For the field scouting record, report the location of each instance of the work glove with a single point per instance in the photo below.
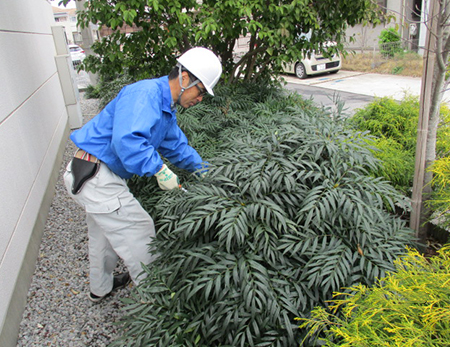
(201, 173)
(167, 180)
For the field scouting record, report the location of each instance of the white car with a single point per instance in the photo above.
(77, 54)
(316, 64)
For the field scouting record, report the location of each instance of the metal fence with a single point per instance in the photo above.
(386, 51)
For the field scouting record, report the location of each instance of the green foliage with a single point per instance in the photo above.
(410, 307)
(388, 118)
(397, 163)
(443, 133)
(286, 215)
(440, 201)
(166, 28)
(397, 70)
(93, 92)
(389, 35)
(389, 42)
(394, 125)
(162, 27)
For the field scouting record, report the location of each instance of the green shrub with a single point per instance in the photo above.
(286, 215)
(410, 307)
(389, 35)
(440, 201)
(93, 92)
(443, 133)
(389, 42)
(385, 117)
(394, 125)
(397, 165)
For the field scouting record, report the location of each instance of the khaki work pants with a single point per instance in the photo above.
(118, 226)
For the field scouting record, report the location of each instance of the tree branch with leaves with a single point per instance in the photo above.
(166, 28)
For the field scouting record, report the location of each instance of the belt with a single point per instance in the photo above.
(85, 156)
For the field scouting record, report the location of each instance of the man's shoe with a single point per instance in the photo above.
(120, 281)
(95, 298)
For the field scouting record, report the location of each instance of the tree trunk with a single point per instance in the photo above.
(433, 83)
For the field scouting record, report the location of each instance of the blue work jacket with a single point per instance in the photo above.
(130, 131)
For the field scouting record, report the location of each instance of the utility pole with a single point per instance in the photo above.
(417, 219)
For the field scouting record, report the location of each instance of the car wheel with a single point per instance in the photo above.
(300, 71)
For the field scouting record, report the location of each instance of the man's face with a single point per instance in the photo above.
(193, 95)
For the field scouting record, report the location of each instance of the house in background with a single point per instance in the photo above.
(67, 18)
(409, 22)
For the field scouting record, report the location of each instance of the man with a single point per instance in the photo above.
(127, 138)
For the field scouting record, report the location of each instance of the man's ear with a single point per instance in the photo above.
(185, 76)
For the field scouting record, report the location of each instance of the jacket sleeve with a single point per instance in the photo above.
(176, 149)
(136, 114)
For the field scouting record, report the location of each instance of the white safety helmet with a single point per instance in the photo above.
(204, 65)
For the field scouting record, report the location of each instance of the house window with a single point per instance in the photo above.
(416, 10)
(61, 19)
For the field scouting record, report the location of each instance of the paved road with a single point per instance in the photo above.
(356, 88)
(326, 97)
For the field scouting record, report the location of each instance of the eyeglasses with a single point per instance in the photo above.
(201, 91)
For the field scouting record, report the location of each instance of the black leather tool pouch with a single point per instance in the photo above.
(82, 171)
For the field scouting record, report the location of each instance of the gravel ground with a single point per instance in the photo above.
(58, 312)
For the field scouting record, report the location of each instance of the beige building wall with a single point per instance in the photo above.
(34, 126)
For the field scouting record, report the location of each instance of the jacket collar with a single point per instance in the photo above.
(168, 104)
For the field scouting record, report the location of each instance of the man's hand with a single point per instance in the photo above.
(167, 180)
